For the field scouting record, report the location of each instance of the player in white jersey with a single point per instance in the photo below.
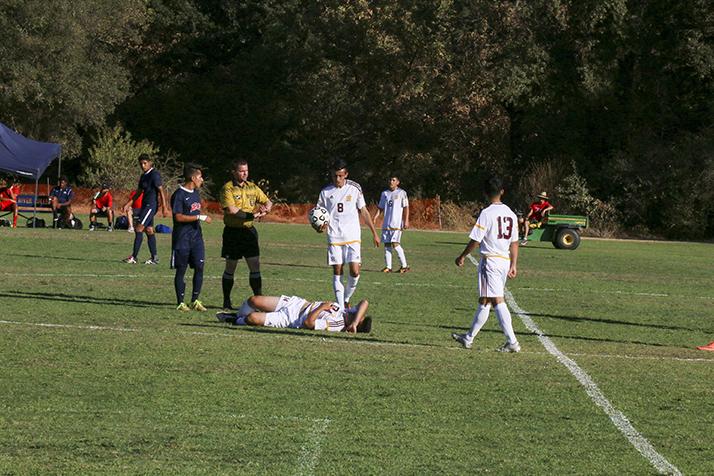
(298, 313)
(496, 235)
(395, 204)
(345, 202)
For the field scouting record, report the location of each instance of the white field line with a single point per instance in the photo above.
(375, 283)
(618, 418)
(310, 451)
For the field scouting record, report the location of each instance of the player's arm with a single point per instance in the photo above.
(312, 317)
(368, 220)
(513, 269)
(181, 218)
(264, 208)
(162, 201)
(405, 217)
(376, 215)
(472, 244)
(359, 316)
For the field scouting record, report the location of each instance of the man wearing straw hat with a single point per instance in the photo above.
(537, 212)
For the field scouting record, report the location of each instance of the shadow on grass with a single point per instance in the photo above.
(308, 334)
(599, 321)
(63, 258)
(74, 298)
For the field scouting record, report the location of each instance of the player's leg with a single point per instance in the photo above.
(387, 240)
(130, 219)
(264, 303)
(144, 215)
(336, 260)
(196, 261)
(254, 278)
(352, 255)
(252, 259)
(110, 219)
(482, 312)
(253, 319)
(227, 282)
(497, 276)
(93, 219)
(151, 241)
(396, 244)
(15, 213)
(179, 261)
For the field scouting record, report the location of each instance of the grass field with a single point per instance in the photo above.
(100, 373)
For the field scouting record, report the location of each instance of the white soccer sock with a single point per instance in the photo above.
(504, 320)
(339, 289)
(402, 258)
(245, 309)
(480, 318)
(388, 256)
(351, 287)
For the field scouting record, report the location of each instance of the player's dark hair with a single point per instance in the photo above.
(366, 325)
(339, 164)
(146, 157)
(190, 169)
(492, 186)
(238, 163)
(64, 177)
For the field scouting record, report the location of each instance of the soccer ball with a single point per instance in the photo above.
(318, 217)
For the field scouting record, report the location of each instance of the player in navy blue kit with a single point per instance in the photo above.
(61, 198)
(154, 198)
(187, 248)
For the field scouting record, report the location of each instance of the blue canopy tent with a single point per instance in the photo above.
(26, 157)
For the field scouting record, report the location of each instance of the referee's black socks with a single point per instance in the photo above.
(256, 283)
(227, 284)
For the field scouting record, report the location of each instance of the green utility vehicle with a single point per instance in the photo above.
(561, 230)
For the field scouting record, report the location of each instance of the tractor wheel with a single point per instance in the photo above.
(567, 239)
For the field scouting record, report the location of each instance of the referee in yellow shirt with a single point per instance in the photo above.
(242, 201)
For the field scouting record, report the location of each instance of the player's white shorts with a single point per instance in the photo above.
(391, 236)
(492, 275)
(340, 254)
(287, 313)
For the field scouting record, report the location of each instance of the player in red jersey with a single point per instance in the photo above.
(537, 212)
(102, 206)
(9, 190)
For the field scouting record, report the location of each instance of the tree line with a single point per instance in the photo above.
(607, 105)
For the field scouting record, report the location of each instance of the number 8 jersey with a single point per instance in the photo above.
(344, 204)
(495, 229)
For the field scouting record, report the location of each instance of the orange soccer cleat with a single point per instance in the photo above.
(709, 346)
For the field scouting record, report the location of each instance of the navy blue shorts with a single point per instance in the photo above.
(193, 257)
(146, 216)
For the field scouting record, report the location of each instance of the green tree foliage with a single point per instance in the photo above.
(62, 64)
(442, 92)
(114, 159)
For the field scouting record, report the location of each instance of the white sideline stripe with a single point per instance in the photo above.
(376, 283)
(618, 418)
(310, 451)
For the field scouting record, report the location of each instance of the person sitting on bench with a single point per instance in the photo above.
(102, 206)
(9, 191)
(61, 198)
(537, 214)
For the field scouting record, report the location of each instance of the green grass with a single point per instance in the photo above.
(122, 383)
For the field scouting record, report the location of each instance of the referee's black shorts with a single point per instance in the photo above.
(240, 243)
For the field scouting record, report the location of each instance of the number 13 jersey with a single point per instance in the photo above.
(344, 204)
(495, 229)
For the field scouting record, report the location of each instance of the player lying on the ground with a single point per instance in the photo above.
(298, 313)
